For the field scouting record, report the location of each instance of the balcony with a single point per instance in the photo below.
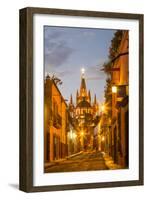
(122, 92)
(57, 121)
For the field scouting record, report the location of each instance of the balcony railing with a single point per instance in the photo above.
(57, 121)
(122, 92)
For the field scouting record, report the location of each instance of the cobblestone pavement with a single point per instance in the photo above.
(83, 162)
(110, 162)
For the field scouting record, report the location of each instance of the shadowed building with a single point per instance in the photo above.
(120, 82)
(55, 122)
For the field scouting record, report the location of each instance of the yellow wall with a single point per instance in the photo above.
(60, 132)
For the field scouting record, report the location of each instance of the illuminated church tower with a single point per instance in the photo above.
(83, 98)
(84, 111)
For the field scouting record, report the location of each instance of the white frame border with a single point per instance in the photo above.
(41, 178)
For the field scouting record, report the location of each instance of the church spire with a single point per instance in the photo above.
(83, 84)
(83, 72)
(83, 91)
(95, 100)
(71, 101)
(95, 105)
(89, 96)
(77, 96)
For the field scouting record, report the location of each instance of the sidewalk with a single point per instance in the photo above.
(55, 162)
(110, 163)
(73, 155)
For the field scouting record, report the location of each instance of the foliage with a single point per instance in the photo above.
(113, 52)
(115, 42)
(55, 79)
(107, 67)
(108, 96)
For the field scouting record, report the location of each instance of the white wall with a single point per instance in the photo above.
(9, 85)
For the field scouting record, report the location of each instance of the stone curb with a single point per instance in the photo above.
(60, 160)
(110, 162)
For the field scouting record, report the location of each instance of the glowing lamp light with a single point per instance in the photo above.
(103, 108)
(82, 133)
(103, 138)
(114, 89)
(83, 70)
(74, 136)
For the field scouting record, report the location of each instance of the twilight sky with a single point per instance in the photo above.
(67, 50)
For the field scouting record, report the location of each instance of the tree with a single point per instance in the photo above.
(115, 42)
(108, 96)
(113, 52)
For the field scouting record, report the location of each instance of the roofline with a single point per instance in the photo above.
(59, 92)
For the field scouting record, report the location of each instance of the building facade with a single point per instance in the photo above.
(55, 122)
(120, 100)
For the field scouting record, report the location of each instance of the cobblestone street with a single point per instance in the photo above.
(83, 162)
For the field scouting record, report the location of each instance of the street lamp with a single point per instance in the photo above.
(82, 133)
(103, 138)
(114, 89)
(103, 108)
(74, 136)
(70, 134)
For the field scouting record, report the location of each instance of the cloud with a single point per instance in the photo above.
(64, 73)
(57, 50)
(57, 54)
(94, 72)
(89, 33)
(93, 78)
(52, 34)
